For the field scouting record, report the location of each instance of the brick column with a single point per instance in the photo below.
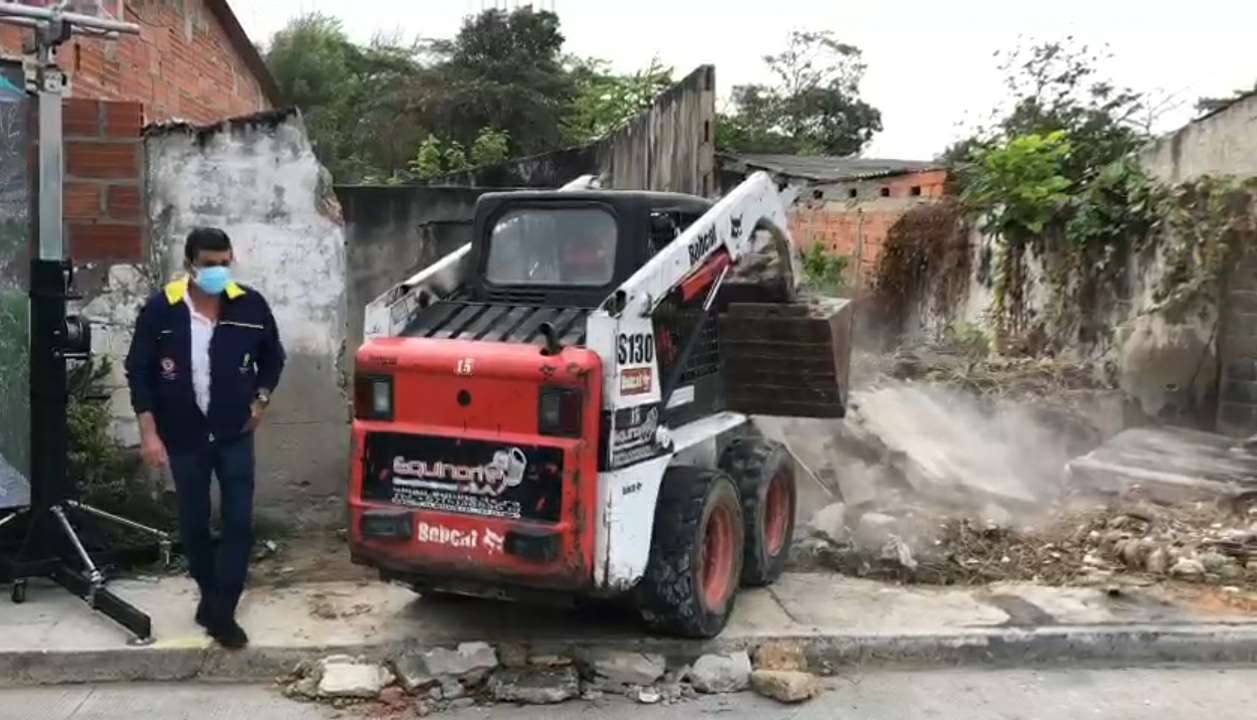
(1237, 346)
(103, 183)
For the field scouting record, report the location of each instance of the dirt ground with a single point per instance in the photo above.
(306, 556)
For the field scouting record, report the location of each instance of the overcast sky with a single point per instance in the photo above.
(930, 61)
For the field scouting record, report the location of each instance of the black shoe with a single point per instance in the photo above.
(204, 613)
(229, 635)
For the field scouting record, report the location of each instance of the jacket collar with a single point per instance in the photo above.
(177, 290)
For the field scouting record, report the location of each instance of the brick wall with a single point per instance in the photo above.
(849, 229)
(183, 64)
(103, 182)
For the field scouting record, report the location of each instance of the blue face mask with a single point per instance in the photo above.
(213, 280)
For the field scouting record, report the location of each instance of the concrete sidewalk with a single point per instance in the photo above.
(54, 638)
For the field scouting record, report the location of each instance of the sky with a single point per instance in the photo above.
(931, 69)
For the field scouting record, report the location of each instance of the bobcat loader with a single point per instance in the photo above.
(560, 407)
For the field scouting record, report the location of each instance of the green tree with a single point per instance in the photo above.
(503, 70)
(813, 108)
(353, 97)
(491, 147)
(429, 162)
(1060, 86)
(604, 101)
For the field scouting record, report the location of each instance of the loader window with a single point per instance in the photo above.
(560, 246)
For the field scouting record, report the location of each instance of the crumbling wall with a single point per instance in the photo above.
(670, 147)
(394, 231)
(257, 178)
(1223, 143)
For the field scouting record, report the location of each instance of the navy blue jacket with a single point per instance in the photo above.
(245, 356)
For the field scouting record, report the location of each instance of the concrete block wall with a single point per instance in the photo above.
(1237, 396)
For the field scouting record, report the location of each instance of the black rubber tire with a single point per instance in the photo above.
(753, 462)
(669, 596)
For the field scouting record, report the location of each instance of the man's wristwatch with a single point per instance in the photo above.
(263, 397)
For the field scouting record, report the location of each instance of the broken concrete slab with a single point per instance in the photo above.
(615, 670)
(1167, 465)
(342, 676)
(781, 655)
(726, 673)
(471, 661)
(544, 686)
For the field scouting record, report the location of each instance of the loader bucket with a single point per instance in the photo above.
(790, 358)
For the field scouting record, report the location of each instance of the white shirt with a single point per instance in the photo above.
(202, 332)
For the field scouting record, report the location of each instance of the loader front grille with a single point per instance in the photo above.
(498, 322)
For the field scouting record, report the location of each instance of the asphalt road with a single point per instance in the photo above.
(1076, 694)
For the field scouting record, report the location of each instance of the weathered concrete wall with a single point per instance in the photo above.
(392, 232)
(258, 179)
(670, 147)
(1223, 143)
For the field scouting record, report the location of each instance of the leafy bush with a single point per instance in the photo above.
(109, 476)
(824, 271)
(1020, 185)
(14, 380)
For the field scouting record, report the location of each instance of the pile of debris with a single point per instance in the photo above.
(1212, 542)
(422, 682)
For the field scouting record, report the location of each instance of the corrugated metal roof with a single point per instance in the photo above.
(825, 168)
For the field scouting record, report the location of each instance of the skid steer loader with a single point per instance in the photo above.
(560, 407)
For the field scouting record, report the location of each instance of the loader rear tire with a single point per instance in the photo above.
(691, 580)
(764, 473)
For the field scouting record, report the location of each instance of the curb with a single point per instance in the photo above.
(1142, 644)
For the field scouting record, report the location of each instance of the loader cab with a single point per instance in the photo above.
(570, 249)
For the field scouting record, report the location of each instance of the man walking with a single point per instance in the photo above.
(203, 362)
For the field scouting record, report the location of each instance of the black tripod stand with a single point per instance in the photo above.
(50, 545)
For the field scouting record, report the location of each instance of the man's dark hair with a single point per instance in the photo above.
(205, 238)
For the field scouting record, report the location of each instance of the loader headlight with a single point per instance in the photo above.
(559, 412)
(373, 397)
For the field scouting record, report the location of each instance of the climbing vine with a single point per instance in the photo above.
(1209, 223)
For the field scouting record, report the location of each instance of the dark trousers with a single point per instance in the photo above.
(220, 575)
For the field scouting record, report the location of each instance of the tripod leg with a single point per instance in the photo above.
(125, 522)
(163, 538)
(93, 573)
(11, 517)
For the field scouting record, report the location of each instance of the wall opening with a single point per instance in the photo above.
(853, 193)
(916, 191)
(885, 192)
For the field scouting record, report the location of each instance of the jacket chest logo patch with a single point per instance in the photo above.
(168, 369)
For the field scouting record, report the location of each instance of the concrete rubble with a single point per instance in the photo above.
(721, 673)
(785, 686)
(545, 686)
(616, 671)
(341, 677)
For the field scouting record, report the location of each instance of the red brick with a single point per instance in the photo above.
(80, 117)
(123, 119)
(106, 241)
(81, 201)
(106, 161)
(123, 202)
